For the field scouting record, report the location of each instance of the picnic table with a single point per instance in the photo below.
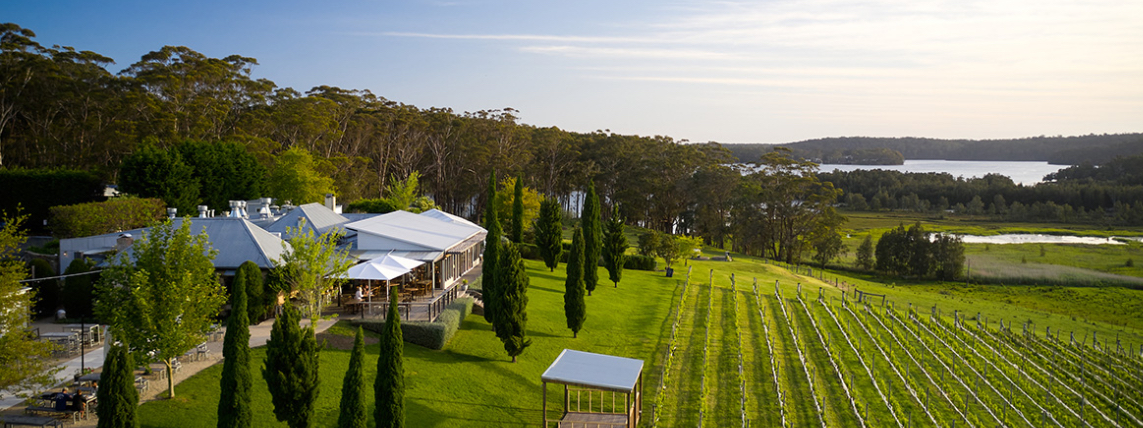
(29, 421)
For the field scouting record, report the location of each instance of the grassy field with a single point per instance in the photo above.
(473, 383)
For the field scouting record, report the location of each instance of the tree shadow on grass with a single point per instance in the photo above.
(475, 414)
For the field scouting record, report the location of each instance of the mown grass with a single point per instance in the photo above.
(472, 382)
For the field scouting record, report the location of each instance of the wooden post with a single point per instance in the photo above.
(544, 406)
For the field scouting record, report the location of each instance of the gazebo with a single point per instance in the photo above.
(608, 382)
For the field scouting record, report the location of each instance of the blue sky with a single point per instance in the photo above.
(764, 71)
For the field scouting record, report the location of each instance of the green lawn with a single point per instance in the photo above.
(472, 382)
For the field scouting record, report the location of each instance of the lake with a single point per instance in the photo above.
(1021, 172)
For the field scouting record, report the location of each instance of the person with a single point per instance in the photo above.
(357, 294)
(79, 403)
(61, 399)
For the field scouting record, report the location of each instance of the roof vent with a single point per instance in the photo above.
(172, 212)
(203, 211)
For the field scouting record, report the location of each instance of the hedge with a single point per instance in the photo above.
(432, 335)
(97, 218)
(638, 262)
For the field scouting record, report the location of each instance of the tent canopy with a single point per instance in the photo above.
(383, 268)
(596, 371)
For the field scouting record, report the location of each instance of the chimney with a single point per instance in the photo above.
(123, 241)
(330, 201)
(202, 211)
(172, 212)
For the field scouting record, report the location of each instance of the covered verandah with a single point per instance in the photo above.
(421, 296)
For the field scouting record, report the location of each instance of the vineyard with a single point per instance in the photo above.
(748, 354)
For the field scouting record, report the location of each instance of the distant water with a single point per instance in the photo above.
(1027, 173)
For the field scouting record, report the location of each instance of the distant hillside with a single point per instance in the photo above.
(1076, 150)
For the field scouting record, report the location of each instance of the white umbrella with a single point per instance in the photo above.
(384, 268)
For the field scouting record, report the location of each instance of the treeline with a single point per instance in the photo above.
(1056, 150)
(1067, 201)
(62, 108)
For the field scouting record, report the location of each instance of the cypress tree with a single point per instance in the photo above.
(291, 370)
(234, 400)
(549, 233)
(518, 210)
(389, 387)
(116, 395)
(491, 253)
(353, 409)
(512, 306)
(592, 237)
(255, 291)
(575, 309)
(614, 247)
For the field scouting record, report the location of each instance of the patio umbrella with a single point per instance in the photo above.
(384, 268)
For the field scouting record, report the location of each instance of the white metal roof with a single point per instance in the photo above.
(443, 216)
(423, 231)
(597, 371)
(318, 217)
(238, 240)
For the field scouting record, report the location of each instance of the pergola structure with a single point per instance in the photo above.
(613, 387)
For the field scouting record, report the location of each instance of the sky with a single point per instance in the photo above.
(726, 71)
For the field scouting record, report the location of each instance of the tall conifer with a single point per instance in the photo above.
(256, 298)
(234, 400)
(353, 409)
(118, 399)
(614, 247)
(512, 306)
(518, 210)
(291, 370)
(389, 386)
(592, 237)
(549, 233)
(491, 253)
(575, 309)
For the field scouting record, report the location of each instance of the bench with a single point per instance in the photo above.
(32, 410)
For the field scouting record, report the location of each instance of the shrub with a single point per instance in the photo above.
(639, 262)
(530, 251)
(432, 335)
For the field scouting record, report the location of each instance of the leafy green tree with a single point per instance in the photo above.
(112, 215)
(151, 172)
(669, 248)
(948, 256)
(161, 297)
(291, 370)
(517, 234)
(592, 237)
(506, 205)
(649, 243)
(826, 238)
(25, 359)
(234, 407)
(353, 409)
(575, 309)
(257, 298)
(389, 386)
(919, 251)
(313, 265)
(117, 397)
(225, 171)
(549, 233)
(296, 177)
(488, 276)
(79, 291)
(865, 253)
(892, 251)
(614, 247)
(512, 305)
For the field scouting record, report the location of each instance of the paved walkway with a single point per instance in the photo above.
(259, 335)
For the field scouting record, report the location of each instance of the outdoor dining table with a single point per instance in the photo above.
(55, 335)
(29, 421)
